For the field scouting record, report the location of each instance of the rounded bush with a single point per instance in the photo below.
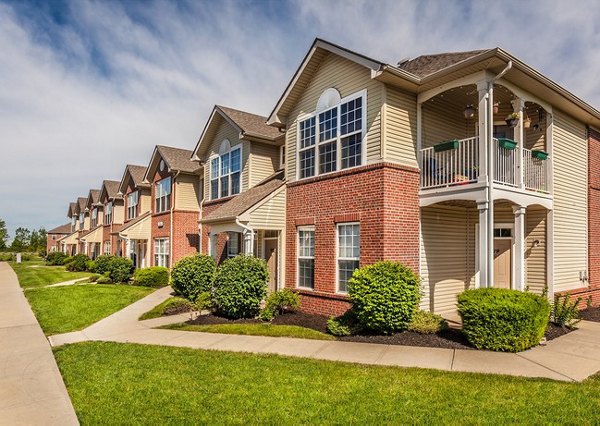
(384, 296)
(102, 263)
(240, 286)
(121, 269)
(154, 276)
(193, 275)
(56, 258)
(427, 323)
(77, 263)
(503, 320)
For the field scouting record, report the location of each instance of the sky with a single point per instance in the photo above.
(87, 87)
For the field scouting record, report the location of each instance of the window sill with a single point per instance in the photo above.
(322, 294)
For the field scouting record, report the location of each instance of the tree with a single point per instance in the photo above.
(21, 240)
(3, 235)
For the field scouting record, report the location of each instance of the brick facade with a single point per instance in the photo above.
(207, 208)
(52, 241)
(382, 197)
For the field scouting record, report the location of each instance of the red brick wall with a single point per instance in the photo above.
(186, 239)
(207, 208)
(53, 242)
(382, 197)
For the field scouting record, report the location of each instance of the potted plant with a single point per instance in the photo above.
(513, 119)
(527, 122)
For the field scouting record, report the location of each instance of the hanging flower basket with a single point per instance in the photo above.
(512, 122)
(540, 155)
(527, 123)
(446, 146)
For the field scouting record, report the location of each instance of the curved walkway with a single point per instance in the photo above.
(31, 387)
(573, 357)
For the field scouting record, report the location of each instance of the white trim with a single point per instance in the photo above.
(499, 225)
(232, 149)
(298, 229)
(337, 253)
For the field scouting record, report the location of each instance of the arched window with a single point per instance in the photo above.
(331, 138)
(225, 171)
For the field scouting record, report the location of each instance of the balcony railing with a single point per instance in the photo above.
(457, 163)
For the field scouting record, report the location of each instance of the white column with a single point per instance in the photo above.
(213, 246)
(519, 242)
(249, 242)
(518, 105)
(483, 107)
(482, 256)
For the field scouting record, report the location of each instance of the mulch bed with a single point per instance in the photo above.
(448, 339)
(590, 314)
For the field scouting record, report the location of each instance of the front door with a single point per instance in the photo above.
(271, 258)
(502, 262)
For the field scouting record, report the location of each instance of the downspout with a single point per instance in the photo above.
(171, 219)
(250, 230)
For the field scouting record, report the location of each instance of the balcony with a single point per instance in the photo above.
(455, 163)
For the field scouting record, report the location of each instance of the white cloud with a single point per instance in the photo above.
(80, 100)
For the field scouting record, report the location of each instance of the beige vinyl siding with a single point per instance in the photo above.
(443, 119)
(86, 221)
(145, 201)
(535, 139)
(446, 258)
(118, 211)
(141, 230)
(227, 131)
(400, 128)
(270, 214)
(570, 201)
(348, 78)
(264, 161)
(186, 192)
(535, 257)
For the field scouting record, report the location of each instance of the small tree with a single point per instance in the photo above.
(21, 240)
(3, 235)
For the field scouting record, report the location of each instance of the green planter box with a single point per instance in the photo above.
(507, 143)
(446, 146)
(539, 155)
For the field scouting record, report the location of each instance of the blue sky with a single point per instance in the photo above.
(89, 86)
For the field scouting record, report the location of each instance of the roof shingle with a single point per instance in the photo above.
(251, 124)
(62, 229)
(425, 65)
(178, 158)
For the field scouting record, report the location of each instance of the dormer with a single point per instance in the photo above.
(112, 202)
(83, 217)
(135, 192)
(239, 150)
(72, 216)
(93, 208)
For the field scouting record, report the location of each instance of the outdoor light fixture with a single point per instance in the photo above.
(536, 243)
(469, 111)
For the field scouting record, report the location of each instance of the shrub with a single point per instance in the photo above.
(102, 263)
(278, 302)
(565, 311)
(337, 327)
(93, 278)
(240, 285)
(193, 275)
(384, 296)
(56, 258)
(104, 279)
(121, 269)
(503, 320)
(90, 266)
(77, 263)
(155, 276)
(204, 301)
(6, 257)
(424, 322)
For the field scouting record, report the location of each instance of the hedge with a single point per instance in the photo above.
(193, 275)
(154, 276)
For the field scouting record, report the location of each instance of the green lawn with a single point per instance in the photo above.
(170, 303)
(141, 384)
(255, 330)
(35, 273)
(71, 308)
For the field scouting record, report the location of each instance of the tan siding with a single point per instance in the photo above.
(271, 214)
(118, 212)
(227, 131)
(443, 119)
(145, 201)
(264, 161)
(400, 132)
(570, 201)
(445, 256)
(348, 78)
(186, 192)
(141, 230)
(535, 257)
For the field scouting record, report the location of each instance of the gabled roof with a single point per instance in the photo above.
(248, 125)
(176, 159)
(62, 229)
(81, 203)
(136, 173)
(134, 221)
(71, 210)
(247, 199)
(93, 198)
(109, 190)
(425, 65)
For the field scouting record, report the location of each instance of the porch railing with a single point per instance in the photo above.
(452, 166)
(534, 172)
(505, 165)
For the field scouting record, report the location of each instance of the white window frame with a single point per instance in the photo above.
(107, 247)
(132, 207)
(81, 220)
(108, 215)
(162, 201)
(233, 236)
(220, 176)
(298, 257)
(361, 94)
(94, 217)
(282, 156)
(337, 253)
(162, 252)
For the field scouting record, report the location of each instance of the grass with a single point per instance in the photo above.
(36, 273)
(71, 308)
(255, 330)
(143, 384)
(170, 303)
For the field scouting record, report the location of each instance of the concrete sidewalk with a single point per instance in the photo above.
(573, 357)
(78, 281)
(31, 387)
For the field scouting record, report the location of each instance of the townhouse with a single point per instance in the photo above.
(54, 236)
(112, 218)
(92, 238)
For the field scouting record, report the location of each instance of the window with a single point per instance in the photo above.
(502, 233)
(225, 172)
(282, 156)
(107, 248)
(53, 237)
(332, 139)
(95, 217)
(163, 195)
(73, 223)
(233, 244)
(348, 253)
(161, 252)
(306, 257)
(108, 214)
(132, 202)
(81, 220)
